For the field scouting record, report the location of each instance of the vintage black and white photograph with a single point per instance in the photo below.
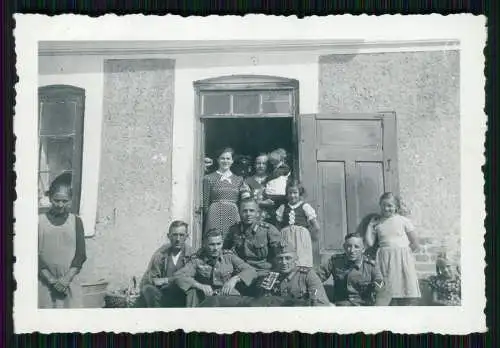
(235, 173)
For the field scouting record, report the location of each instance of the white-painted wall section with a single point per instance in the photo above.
(86, 72)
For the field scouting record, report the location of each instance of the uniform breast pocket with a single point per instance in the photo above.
(260, 250)
(226, 275)
(204, 271)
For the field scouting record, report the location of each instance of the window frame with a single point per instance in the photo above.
(66, 93)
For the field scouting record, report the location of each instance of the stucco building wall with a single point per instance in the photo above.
(423, 88)
(135, 179)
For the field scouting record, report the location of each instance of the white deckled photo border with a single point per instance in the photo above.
(149, 31)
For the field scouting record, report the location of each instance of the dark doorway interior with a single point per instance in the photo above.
(249, 136)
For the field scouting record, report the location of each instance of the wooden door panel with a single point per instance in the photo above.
(349, 134)
(331, 205)
(346, 162)
(369, 187)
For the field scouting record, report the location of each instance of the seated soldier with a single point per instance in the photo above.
(357, 280)
(289, 284)
(252, 240)
(157, 289)
(213, 271)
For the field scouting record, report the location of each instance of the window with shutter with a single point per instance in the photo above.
(60, 136)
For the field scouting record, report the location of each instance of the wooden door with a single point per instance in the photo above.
(346, 162)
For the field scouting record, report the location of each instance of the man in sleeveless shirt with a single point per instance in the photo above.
(157, 287)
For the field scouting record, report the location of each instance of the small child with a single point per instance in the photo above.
(446, 284)
(298, 223)
(277, 181)
(61, 249)
(396, 240)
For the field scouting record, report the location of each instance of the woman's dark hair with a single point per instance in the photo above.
(176, 224)
(294, 183)
(63, 180)
(219, 152)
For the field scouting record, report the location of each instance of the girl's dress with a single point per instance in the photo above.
(56, 252)
(395, 257)
(448, 290)
(296, 219)
(221, 193)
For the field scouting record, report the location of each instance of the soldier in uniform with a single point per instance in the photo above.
(213, 271)
(253, 240)
(357, 280)
(289, 284)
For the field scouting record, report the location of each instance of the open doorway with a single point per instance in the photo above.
(248, 137)
(252, 114)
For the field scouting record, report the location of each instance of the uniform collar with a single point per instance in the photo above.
(208, 259)
(354, 264)
(250, 228)
(291, 274)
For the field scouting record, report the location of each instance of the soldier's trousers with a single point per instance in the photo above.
(195, 297)
(156, 297)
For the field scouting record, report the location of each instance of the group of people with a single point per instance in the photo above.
(257, 251)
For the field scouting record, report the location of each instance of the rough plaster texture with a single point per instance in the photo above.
(423, 89)
(134, 198)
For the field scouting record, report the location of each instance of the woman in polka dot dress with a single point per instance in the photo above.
(298, 223)
(221, 192)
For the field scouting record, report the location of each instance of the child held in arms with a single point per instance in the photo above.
(276, 184)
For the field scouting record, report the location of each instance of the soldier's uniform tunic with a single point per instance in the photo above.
(214, 272)
(256, 244)
(302, 285)
(355, 283)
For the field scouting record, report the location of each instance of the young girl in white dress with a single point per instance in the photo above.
(396, 239)
(298, 223)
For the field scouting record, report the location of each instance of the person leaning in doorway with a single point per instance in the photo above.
(221, 193)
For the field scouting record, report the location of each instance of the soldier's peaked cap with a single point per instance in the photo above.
(285, 247)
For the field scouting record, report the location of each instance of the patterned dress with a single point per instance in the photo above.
(395, 257)
(295, 219)
(447, 290)
(221, 193)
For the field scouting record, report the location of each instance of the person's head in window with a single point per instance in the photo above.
(261, 164)
(60, 194)
(277, 158)
(225, 159)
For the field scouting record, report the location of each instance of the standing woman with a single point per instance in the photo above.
(61, 249)
(221, 193)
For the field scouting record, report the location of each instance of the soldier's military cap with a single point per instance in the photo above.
(285, 247)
